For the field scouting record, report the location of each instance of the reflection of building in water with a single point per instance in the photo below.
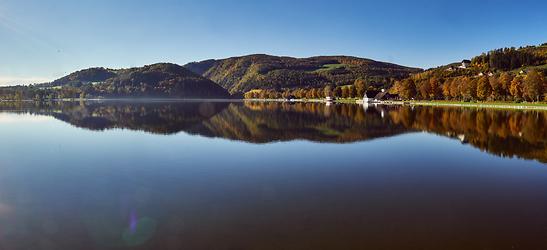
(381, 109)
(462, 138)
(329, 100)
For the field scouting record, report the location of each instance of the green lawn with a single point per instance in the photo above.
(496, 104)
(328, 67)
(528, 68)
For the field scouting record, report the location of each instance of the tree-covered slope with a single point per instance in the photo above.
(242, 74)
(158, 80)
(508, 74)
(84, 76)
(162, 80)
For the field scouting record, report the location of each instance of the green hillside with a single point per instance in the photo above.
(242, 74)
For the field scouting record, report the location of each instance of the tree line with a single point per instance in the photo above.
(356, 90)
(507, 59)
(506, 86)
(32, 92)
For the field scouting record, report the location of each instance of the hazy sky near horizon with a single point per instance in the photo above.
(42, 40)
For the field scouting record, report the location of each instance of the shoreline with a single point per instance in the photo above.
(493, 105)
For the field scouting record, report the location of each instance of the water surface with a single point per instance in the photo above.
(255, 175)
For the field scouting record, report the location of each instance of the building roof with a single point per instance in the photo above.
(371, 93)
(384, 96)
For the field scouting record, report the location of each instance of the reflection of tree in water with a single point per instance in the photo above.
(505, 133)
(500, 132)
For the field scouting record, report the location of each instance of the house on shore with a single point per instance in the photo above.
(384, 96)
(369, 96)
(378, 96)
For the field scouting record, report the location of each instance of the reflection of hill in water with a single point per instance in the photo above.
(251, 122)
(273, 121)
(152, 117)
(499, 132)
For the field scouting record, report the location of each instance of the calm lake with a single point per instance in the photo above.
(270, 175)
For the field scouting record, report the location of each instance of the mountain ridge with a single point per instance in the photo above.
(154, 80)
(240, 74)
(270, 76)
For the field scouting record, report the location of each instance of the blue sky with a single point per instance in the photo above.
(42, 40)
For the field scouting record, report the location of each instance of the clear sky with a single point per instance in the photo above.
(42, 40)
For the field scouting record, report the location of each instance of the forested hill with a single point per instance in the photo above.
(242, 74)
(508, 74)
(78, 78)
(162, 80)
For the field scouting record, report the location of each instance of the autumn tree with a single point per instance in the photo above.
(469, 88)
(505, 83)
(407, 89)
(533, 85)
(316, 93)
(446, 88)
(345, 92)
(455, 88)
(435, 90)
(483, 88)
(352, 91)
(516, 87)
(495, 86)
(327, 91)
(337, 91)
(361, 86)
(425, 90)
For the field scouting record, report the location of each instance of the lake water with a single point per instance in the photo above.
(268, 175)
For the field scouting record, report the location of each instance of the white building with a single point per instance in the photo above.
(465, 64)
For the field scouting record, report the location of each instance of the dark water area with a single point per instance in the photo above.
(270, 175)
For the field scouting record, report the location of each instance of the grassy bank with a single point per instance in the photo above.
(504, 105)
(499, 105)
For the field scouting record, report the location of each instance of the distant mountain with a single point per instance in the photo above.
(241, 74)
(157, 80)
